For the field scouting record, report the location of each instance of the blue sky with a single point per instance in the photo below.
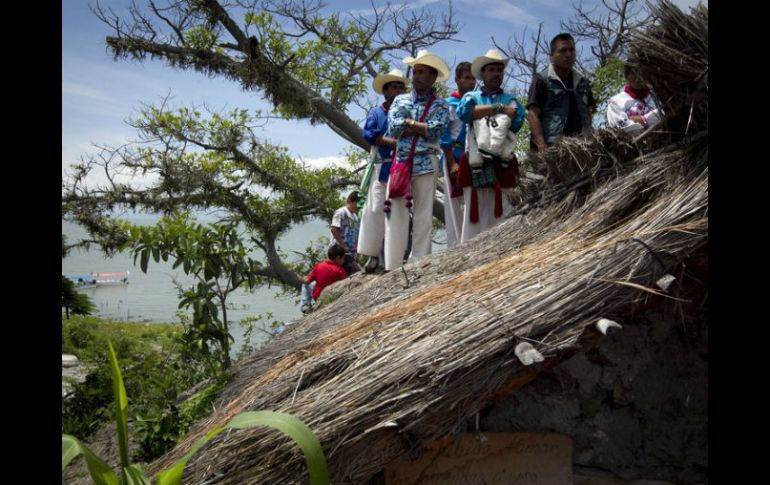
(99, 94)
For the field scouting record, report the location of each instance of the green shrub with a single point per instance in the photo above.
(155, 377)
(131, 474)
(78, 334)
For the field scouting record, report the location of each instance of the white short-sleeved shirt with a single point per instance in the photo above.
(348, 223)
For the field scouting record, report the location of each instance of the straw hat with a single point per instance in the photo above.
(426, 58)
(492, 55)
(383, 79)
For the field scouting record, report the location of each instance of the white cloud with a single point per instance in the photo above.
(76, 146)
(323, 162)
(502, 10)
(394, 6)
(81, 90)
(685, 5)
(550, 3)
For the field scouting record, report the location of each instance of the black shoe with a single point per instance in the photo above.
(372, 264)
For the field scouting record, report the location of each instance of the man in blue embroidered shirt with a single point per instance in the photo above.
(453, 145)
(493, 117)
(560, 101)
(372, 232)
(418, 132)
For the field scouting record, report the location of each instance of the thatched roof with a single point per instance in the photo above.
(406, 356)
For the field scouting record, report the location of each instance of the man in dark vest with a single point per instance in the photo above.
(560, 102)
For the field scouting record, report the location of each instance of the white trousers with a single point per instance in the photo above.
(487, 217)
(397, 224)
(453, 213)
(372, 230)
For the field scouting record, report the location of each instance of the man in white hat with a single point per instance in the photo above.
(560, 101)
(493, 117)
(417, 121)
(372, 232)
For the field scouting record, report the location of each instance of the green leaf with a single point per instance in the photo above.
(121, 404)
(69, 450)
(173, 475)
(133, 475)
(185, 302)
(145, 259)
(136, 253)
(101, 473)
(211, 269)
(297, 430)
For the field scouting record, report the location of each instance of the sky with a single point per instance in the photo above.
(100, 94)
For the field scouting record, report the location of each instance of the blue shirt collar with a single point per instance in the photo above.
(419, 99)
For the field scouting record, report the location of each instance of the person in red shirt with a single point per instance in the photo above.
(323, 274)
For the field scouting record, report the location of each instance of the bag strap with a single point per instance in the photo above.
(415, 137)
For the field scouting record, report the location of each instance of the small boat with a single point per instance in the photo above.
(99, 279)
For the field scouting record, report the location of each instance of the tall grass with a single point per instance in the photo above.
(132, 474)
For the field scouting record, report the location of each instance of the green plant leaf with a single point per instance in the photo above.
(133, 475)
(101, 473)
(173, 475)
(145, 259)
(297, 430)
(69, 450)
(121, 405)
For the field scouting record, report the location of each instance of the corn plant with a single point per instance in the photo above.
(132, 474)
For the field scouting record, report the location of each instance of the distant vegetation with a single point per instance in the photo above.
(158, 371)
(131, 473)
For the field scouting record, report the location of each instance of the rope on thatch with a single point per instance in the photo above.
(415, 361)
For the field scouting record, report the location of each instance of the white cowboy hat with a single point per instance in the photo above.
(431, 60)
(492, 55)
(383, 79)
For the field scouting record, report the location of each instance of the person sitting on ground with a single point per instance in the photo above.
(633, 110)
(344, 229)
(324, 274)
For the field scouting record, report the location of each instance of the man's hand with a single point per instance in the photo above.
(383, 140)
(451, 163)
(639, 119)
(510, 111)
(413, 128)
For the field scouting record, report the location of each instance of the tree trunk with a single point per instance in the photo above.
(225, 340)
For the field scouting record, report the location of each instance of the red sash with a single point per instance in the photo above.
(505, 177)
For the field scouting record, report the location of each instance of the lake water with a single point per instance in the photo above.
(154, 297)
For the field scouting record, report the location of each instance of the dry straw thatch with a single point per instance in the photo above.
(405, 357)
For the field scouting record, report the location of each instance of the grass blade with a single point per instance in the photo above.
(173, 475)
(121, 404)
(135, 476)
(295, 429)
(101, 473)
